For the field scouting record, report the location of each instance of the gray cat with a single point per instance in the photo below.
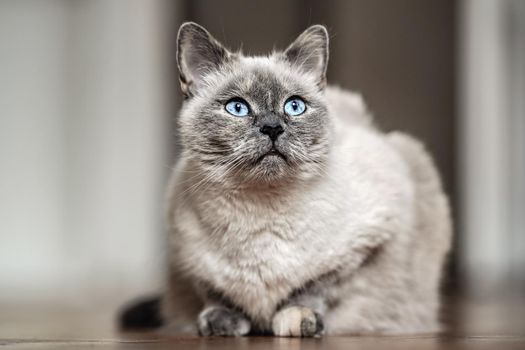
(289, 213)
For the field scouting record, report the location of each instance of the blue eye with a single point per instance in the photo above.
(294, 106)
(237, 107)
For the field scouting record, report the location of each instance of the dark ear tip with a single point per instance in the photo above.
(191, 27)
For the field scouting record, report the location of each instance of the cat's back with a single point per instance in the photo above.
(347, 108)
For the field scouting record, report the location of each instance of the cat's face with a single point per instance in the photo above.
(254, 119)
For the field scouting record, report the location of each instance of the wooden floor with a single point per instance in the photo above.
(342, 343)
(492, 325)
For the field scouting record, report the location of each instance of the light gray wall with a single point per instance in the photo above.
(84, 143)
(492, 149)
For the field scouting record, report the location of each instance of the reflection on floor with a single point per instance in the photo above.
(471, 325)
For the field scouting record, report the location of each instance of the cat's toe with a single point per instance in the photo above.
(221, 321)
(297, 321)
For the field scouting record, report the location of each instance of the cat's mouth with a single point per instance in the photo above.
(272, 153)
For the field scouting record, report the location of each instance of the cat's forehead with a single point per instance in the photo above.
(263, 78)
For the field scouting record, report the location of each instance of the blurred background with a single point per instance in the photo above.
(88, 104)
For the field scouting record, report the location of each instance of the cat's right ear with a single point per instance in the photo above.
(198, 53)
(310, 52)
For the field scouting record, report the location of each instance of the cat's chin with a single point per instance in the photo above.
(272, 160)
(271, 167)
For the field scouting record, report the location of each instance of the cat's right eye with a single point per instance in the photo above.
(237, 107)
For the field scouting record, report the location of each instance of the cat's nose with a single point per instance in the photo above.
(272, 130)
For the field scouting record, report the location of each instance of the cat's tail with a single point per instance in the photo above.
(141, 314)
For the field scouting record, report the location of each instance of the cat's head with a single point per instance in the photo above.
(254, 120)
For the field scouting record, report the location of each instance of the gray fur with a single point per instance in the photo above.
(239, 142)
(222, 321)
(345, 233)
(312, 327)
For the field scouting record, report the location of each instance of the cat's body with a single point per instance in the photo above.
(258, 248)
(346, 231)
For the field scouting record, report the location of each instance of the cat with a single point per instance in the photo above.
(289, 212)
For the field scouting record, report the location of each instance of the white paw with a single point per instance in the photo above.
(297, 321)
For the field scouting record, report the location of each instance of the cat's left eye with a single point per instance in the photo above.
(294, 106)
(237, 107)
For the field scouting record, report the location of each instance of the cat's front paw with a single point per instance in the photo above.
(219, 320)
(297, 321)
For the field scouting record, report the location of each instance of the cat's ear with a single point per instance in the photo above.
(310, 52)
(198, 53)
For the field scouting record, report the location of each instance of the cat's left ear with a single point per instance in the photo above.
(198, 54)
(310, 52)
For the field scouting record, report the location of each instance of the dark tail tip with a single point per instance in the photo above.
(142, 314)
